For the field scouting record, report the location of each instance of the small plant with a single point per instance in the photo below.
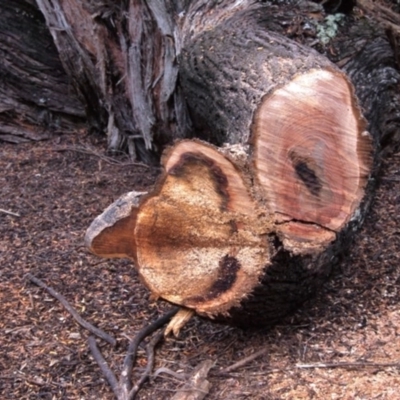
(329, 28)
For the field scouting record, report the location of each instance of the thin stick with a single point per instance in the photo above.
(102, 363)
(244, 361)
(348, 364)
(344, 364)
(9, 213)
(96, 331)
(165, 370)
(150, 364)
(125, 380)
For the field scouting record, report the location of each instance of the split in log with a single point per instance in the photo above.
(246, 232)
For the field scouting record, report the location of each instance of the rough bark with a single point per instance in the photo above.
(235, 56)
(247, 232)
(36, 98)
(373, 73)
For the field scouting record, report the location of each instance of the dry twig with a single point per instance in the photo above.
(102, 363)
(96, 331)
(165, 370)
(349, 364)
(122, 389)
(9, 213)
(342, 364)
(150, 364)
(125, 380)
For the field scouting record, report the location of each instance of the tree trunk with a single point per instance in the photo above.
(247, 231)
(36, 98)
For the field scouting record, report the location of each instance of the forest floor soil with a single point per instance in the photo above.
(342, 344)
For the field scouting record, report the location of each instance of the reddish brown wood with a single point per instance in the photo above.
(312, 157)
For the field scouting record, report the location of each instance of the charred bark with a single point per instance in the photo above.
(36, 97)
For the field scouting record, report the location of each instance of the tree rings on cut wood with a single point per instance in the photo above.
(197, 240)
(220, 220)
(312, 157)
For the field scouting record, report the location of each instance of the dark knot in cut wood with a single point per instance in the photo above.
(196, 236)
(227, 275)
(308, 176)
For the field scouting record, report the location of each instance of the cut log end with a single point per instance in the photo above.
(312, 157)
(195, 237)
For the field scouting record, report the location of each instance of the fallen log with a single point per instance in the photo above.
(247, 231)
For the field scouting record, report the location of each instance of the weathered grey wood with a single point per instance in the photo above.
(122, 60)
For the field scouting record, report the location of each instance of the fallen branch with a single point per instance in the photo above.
(123, 389)
(349, 364)
(150, 364)
(110, 376)
(96, 331)
(125, 381)
(9, 213)
(102, 363)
